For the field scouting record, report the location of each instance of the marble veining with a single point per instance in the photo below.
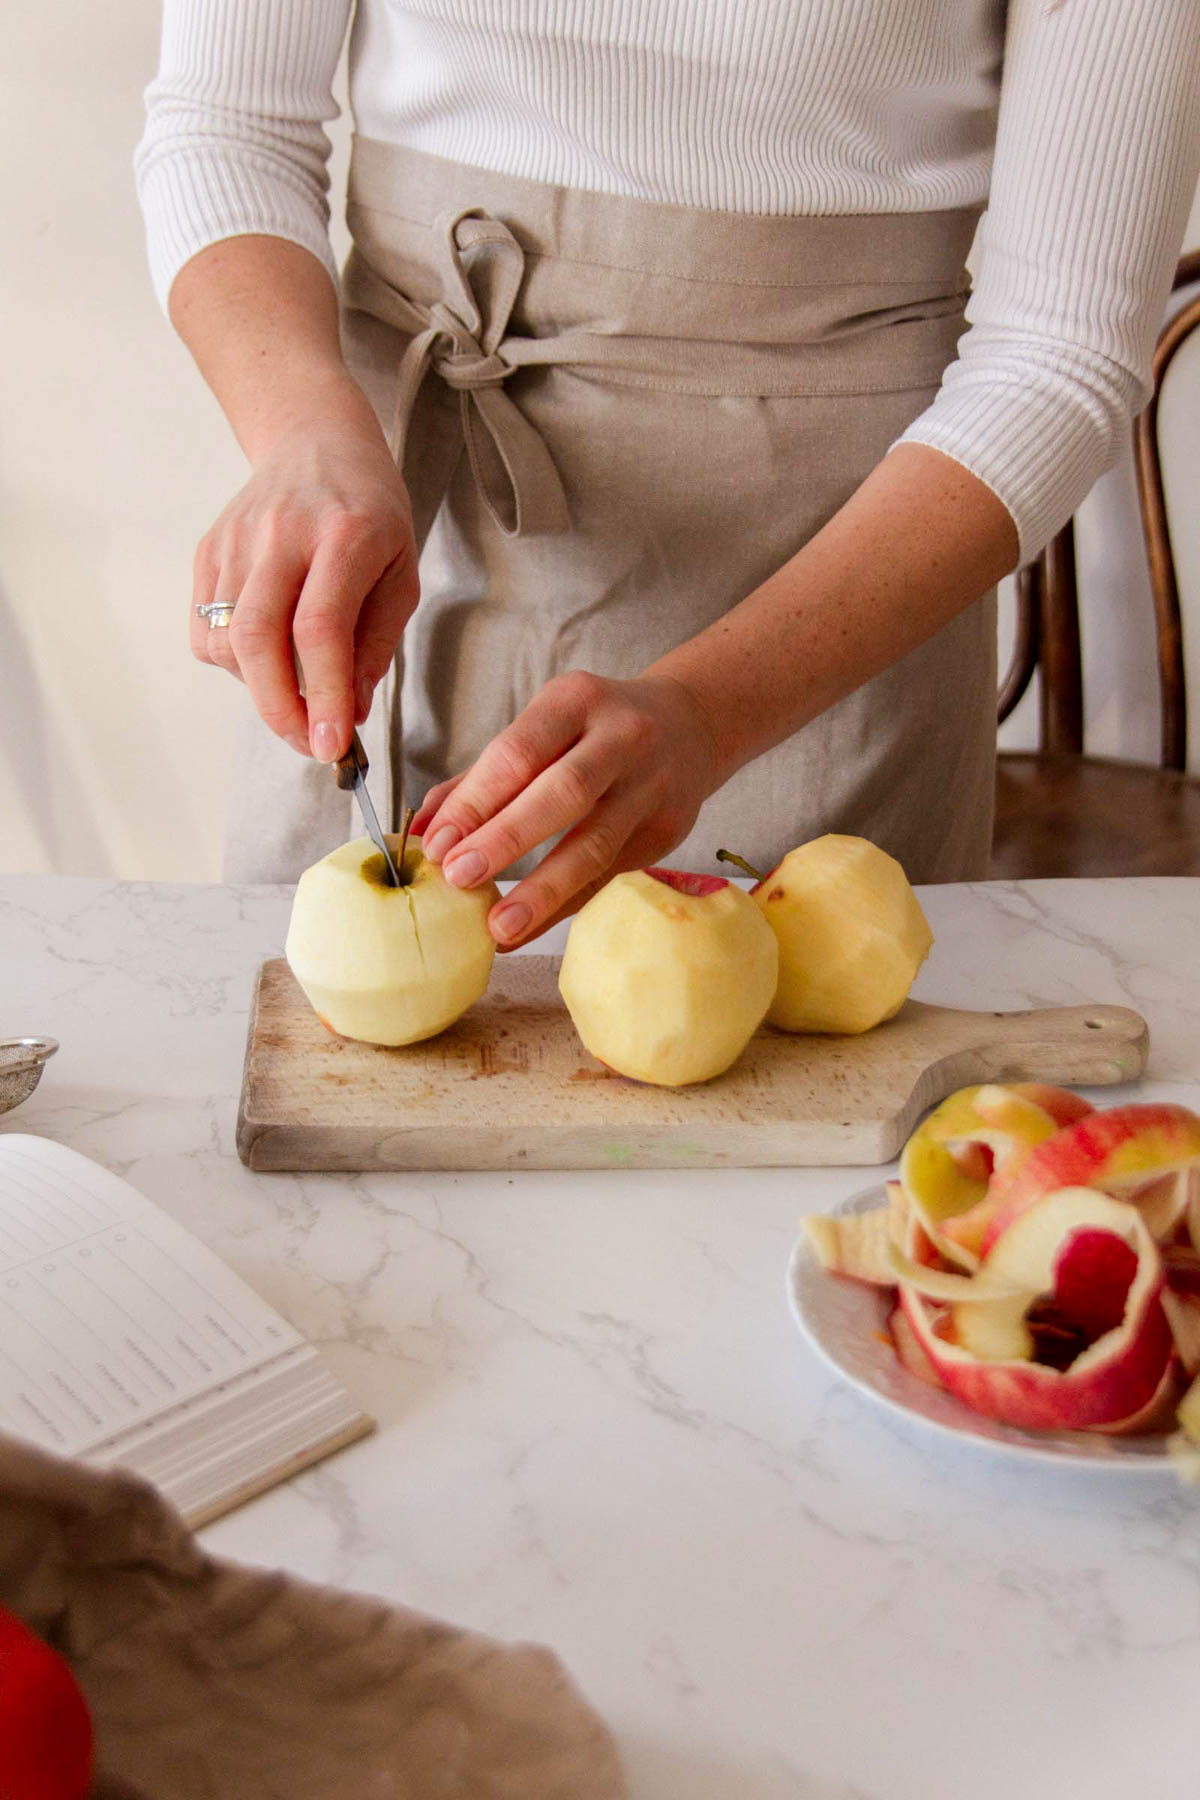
(599, 1428)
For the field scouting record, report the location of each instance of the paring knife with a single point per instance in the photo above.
(351, 771)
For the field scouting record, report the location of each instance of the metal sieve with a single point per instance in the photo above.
(21, 1061)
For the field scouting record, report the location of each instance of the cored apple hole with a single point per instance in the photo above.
(374, 872)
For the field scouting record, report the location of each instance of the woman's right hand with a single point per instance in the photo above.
(316, 549)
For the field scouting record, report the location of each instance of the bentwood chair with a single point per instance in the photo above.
(1058, 810)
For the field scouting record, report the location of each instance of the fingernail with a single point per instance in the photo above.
(443, 839)
(466, 869)
(299, 743)
(366, 693)
(512, 920)
(324, 742)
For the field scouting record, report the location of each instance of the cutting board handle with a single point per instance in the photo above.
(1086, 1046)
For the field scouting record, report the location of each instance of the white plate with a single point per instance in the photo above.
(846, 1323)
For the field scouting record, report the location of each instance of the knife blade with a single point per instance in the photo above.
(351, 771)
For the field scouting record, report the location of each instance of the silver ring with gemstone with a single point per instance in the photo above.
(218, 613)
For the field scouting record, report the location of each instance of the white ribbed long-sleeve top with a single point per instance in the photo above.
(1078, 121)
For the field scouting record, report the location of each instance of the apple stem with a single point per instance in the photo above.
(731, 856)
(409, 816)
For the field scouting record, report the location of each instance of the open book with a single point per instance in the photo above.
(124, 1340)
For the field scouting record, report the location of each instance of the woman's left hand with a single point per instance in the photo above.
(622, 767)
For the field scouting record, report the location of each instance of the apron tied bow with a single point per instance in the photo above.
(513, 469)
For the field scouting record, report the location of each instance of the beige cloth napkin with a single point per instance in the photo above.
(209, 1681)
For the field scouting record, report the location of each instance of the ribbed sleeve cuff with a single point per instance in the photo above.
(200, 196)
(1037, 441)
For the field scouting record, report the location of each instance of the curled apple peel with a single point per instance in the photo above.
(1183, 1316)
(1124, 1151)
(949, 1284)
(1116, 1374)
(948, 1164)
(856, 1245)
(908, 1350)
(1069, 1298)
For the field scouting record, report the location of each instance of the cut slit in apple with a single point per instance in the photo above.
(388, 965)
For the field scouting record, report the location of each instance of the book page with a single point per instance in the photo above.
(111, 1314)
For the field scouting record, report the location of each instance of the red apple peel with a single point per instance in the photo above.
(1114, 1151)
(1116, 1376)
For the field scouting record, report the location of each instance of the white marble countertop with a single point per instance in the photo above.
(600, 1430)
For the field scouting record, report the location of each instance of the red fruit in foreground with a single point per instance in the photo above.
(46, 1741)
(686, 883)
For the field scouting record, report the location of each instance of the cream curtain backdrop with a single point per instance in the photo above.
(115, 746)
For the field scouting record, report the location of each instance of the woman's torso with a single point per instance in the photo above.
(761, 106)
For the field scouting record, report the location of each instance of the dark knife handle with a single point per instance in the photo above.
(349, 768)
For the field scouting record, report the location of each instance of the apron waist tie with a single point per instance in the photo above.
(515, 472)
(904, 343)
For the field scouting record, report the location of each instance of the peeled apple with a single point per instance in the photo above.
(851, 935)
(389, 965)
(667, 975)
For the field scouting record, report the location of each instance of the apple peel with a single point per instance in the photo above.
(1183, 1446)
(948, 1163)
(908, 1351)
(948, 1284)
(1192, 1216)
(1113, 1378)
(855, 1245)
(1185, 1458)
(1115, 1152)
(1164, 1202)
(1158, 1414)
(1183, 1316)
(1079, 1310)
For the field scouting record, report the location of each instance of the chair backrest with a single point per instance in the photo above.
(1047, 606)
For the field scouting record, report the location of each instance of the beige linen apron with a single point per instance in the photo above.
(616, 418)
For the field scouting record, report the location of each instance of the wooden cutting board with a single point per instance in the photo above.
(511, 1087)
